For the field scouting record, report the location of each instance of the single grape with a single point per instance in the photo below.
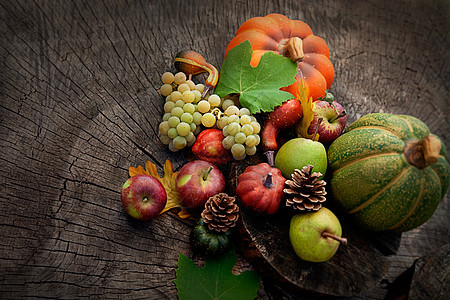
(197, 118)
(189, 108)
(228, 142)
(183, 129)
(166, 116)
(175, 96)
(200, 87)
(225, 131)
(198, 96)
(232, 110)
(227, 103)
(208, 120)
(191, 84)
(237, 150)
(191, 142)
(164, 139)
(233, 119)
(233, 128)
(251, 141)
(187, 117)
(164, 127)
(173, 121)
(246, 119)
(244, 112)
(242, 157)
(169, 98)
(167, 77)
(250, 150)
(172, 133)
(253, 119)
(203, 106)
(256, 126)
(198, 130)
(214, 100)
(172, 147)
(247, 129)
(179, 103)
(168, 106)
(190, 137)
(179, 142)
(179, 78)
(183, 88)
(258, 139)
(240, 138)
(165, 90)
(188, 97)
(177, 111)
(222, 122)
(193, 127)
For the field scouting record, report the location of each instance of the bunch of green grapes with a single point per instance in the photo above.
(241, 130)
(181, 120)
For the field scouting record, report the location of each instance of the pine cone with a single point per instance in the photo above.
(220, 213)
(305, 191)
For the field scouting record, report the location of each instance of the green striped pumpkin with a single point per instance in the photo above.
(388, 172)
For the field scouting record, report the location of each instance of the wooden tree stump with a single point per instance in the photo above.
(79, 104)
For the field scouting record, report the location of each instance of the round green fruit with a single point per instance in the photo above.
(388, 172)
(316, 236)
(300, 152)
(209, 243)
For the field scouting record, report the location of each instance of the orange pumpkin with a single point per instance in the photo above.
(293, 39)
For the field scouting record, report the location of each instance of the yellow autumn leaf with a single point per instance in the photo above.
(308, 115)
(168, 181)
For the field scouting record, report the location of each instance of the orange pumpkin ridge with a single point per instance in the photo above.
(272, 33)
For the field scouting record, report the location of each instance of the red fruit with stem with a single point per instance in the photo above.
(284, 116)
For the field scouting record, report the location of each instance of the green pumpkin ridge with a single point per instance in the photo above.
(374, 179)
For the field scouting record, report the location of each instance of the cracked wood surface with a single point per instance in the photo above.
(79, 105)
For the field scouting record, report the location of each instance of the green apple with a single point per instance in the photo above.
(316, 236)
(300, 152)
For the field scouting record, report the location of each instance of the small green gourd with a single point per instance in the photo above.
(207, 242)
(388, 172)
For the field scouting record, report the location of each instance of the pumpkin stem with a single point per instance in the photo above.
(341, 240)
(270, 157)
(292, 48)
(424, 152)
(316, 129)
(268, 181)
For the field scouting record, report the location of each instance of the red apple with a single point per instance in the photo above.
(333, 122)
(143, 197)
(208, 147)
(197, 181)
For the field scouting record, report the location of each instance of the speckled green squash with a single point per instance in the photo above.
(374, 179)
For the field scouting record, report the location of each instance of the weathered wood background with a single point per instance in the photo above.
(79, 105)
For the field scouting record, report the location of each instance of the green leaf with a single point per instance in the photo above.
(215, 280)
(258, 87)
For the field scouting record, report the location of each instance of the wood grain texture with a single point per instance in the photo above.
(79, 105)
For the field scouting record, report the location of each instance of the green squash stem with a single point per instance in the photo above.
(424, 152)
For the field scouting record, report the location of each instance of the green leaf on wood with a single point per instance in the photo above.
(215, 280)
(259, 87)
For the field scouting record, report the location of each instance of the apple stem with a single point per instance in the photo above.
(342, 114)
(268, 181)
(335, 237)
(317, 128)
(207, 173)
